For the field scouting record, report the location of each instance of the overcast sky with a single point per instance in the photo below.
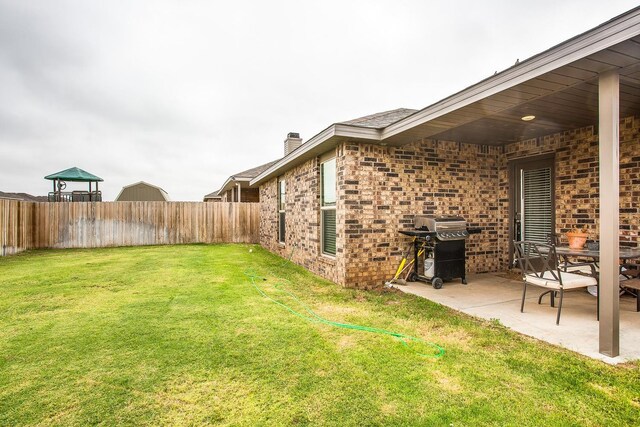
(183, 94)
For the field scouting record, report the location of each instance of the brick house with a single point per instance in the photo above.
(572, 112)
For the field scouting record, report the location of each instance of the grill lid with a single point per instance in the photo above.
(440, 223)
(445, 227)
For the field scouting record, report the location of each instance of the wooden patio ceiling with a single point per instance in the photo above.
(563, 99)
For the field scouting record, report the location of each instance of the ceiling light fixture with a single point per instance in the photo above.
(528, 118)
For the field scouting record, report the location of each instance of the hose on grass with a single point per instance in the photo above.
(311, 316)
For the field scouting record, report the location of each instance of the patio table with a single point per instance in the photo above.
(625, 252)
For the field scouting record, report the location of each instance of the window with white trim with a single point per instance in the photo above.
(328, 206)
(281, 210)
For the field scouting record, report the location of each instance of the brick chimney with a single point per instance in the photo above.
(292, 142)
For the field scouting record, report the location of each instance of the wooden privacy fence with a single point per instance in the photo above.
(29, 225)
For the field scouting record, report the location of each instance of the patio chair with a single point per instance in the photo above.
(630, 281)
(539, 266)
(632, 286)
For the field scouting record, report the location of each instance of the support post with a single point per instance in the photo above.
(239, 190)
(609, 137)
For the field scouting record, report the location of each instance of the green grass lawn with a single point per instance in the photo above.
(177, 335)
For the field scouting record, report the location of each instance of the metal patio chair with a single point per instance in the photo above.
(539, 266)
(630, 281)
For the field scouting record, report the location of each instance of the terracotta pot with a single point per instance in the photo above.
(577, 239)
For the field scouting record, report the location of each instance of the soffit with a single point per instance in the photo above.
(559, 86)
(562, 99)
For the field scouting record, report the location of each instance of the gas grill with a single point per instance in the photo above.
(439, 248)
(445, 228)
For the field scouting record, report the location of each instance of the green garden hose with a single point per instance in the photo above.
(311, 316)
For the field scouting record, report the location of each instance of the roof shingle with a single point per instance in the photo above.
(253, 172)
(380, 120)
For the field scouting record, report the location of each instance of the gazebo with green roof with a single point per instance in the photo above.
(74, 175)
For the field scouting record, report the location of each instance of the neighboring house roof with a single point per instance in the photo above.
(213, 195)
(74, 174)
(380, 120)
(556, 85)
(253, 172)
(241, 177)
(22, 196)
(163, 193)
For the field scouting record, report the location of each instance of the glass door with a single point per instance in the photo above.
(533, 199)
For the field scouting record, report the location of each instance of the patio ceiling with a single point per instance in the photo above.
(559, 86)
(564, 98)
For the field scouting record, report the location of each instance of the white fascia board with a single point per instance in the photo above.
(277, 168)
(119, 194)
(606, 35)
(357, 132)
(135, 183)
(224, 186)
(324, 138)
(230, 183)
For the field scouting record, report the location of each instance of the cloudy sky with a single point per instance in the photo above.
(183, 94)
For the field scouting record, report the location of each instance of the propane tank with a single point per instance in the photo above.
(429, 266)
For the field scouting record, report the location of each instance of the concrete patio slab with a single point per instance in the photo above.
(492, 296)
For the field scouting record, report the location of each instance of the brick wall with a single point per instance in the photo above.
(380, 189)
(577, 180)
(386, 187)
(302, 220)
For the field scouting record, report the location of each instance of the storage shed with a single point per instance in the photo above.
(142, 192)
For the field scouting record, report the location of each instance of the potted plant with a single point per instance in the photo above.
(577, 238)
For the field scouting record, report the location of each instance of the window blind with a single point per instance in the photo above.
(329, 231)
(537, 204)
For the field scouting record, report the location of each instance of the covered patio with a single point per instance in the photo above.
(545, 146)
(497, 297)
(571, 113)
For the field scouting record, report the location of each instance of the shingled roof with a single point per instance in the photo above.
(74, 174)
(380, 120)
(22, 196)
(253, 172)
(213, 195)
(243, 176)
